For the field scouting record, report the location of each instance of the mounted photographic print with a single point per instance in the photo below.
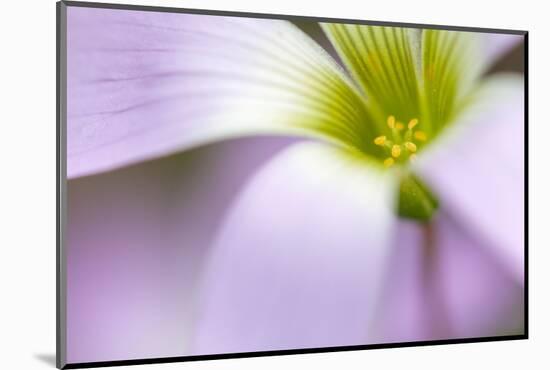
(236, 184)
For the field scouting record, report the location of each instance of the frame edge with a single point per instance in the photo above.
(61, 99)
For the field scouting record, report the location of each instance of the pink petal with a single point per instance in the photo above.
(148, 84)
(448, 288)
(299, 260)
(137, 239)
(477, 169)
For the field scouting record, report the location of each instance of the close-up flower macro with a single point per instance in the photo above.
(240, 184)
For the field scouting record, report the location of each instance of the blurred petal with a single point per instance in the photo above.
(477, 169)
(444, 284)
(299, 259)
(136, 242)
(497, 45)
(452, 64)
(147, 84)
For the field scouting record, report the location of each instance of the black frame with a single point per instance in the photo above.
(62, 179)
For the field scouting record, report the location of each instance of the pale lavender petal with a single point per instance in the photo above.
(299, 260)
(496, 45)
(136, 241)
(147, 84)
(477, 169)
(444, 284)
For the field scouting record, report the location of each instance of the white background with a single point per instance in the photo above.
(27, 185)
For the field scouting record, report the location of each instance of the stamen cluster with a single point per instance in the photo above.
(402, 147)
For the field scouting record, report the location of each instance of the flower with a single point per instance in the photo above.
(312, 205)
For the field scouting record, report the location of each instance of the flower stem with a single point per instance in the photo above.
(436, 317)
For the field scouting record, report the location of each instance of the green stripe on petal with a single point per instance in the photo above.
(410, 73)
(450, 68)
(385, 62)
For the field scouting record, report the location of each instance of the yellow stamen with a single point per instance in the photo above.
(411, 147)
(388, 162)
(413, 122)
(420, 135)
(395, 151)
(380, 140)
(403, 143)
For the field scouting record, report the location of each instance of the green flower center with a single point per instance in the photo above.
(415, 199)
(413, 84)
